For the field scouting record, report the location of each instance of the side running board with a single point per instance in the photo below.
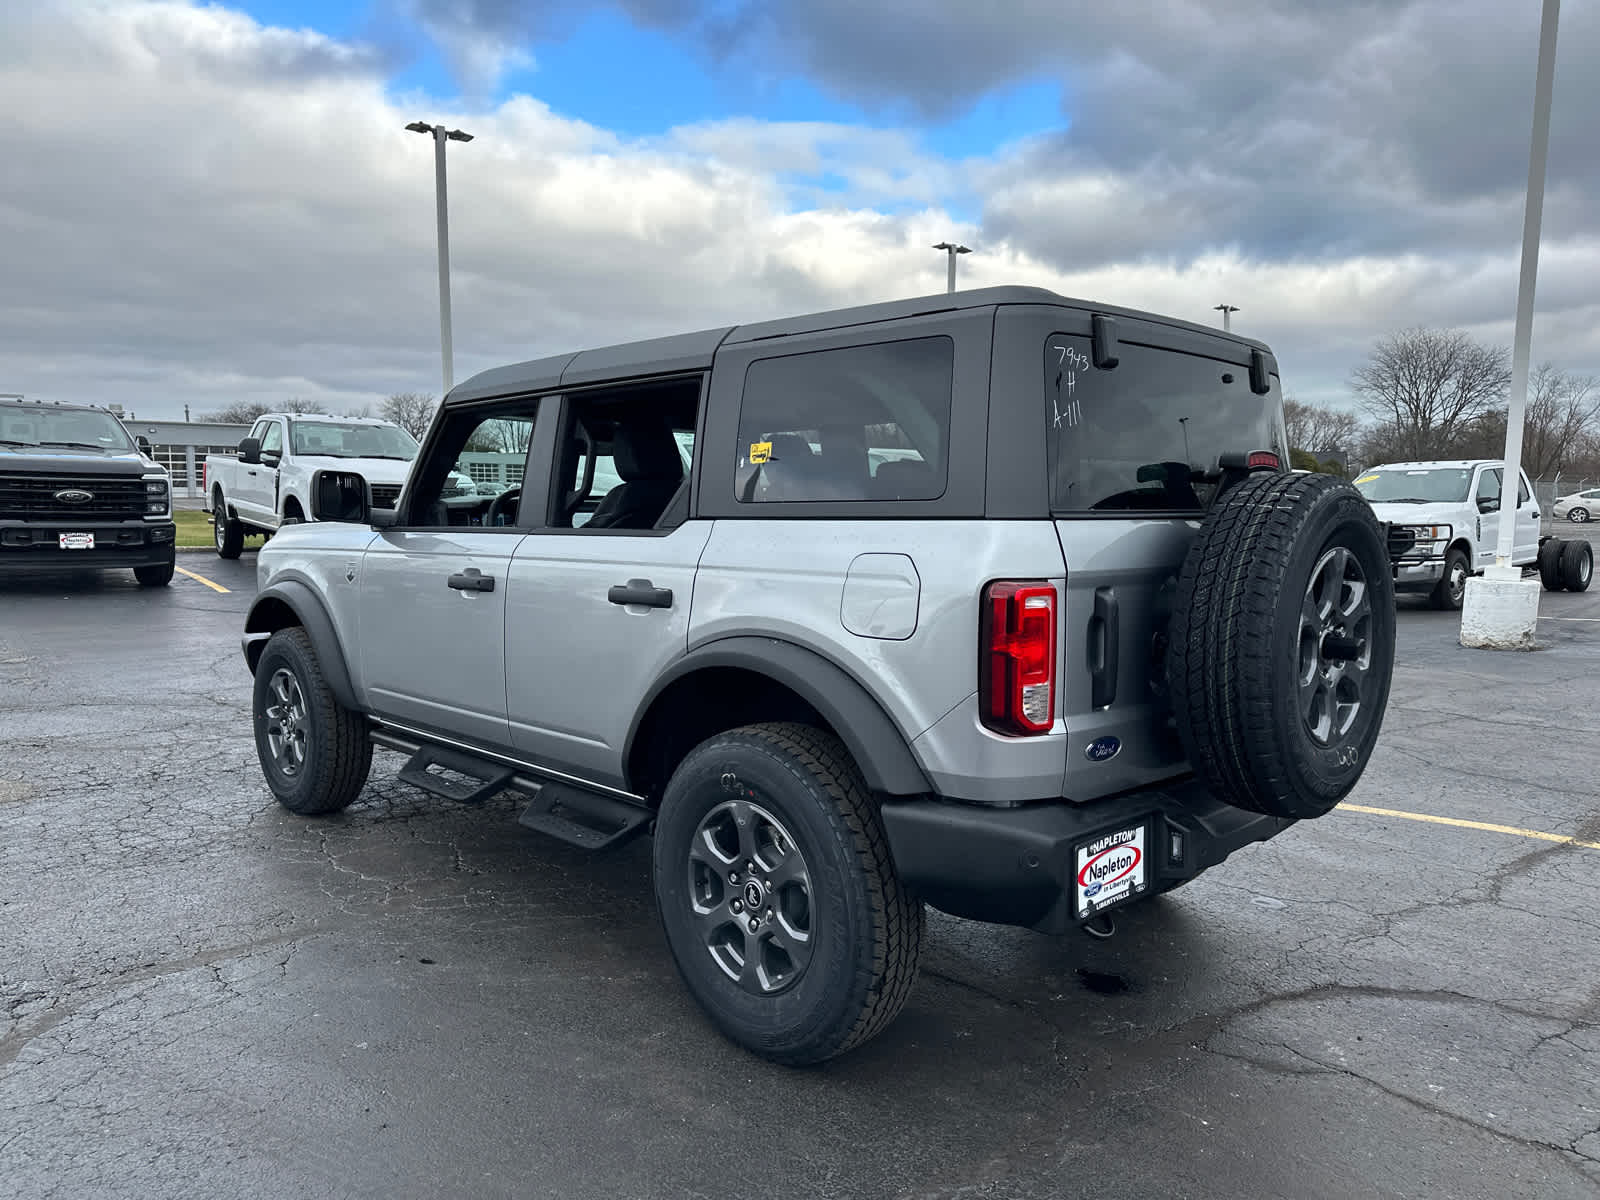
(587, 819)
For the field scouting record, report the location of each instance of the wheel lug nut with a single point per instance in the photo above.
(733, 877)
(737, 906)
(751, 867)
(754, 925)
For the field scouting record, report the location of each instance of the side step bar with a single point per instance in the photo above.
(590, 820)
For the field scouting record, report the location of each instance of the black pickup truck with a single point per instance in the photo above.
(77, 492)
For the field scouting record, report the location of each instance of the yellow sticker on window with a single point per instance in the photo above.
(760, 452)
(1367, 479)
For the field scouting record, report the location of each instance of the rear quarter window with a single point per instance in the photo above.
(1139, 436)
(856, 423)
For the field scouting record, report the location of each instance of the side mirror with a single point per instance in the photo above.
(143, 443)
(341, 496)
(250, 451)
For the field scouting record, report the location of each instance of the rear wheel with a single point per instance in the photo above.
(314, 752)
(779, 899)
(1282, 644)
(1578, 515)
(1550, 564)
(1451, 590)
(227, 532)
(1577, 565)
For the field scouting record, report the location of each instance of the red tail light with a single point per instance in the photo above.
(1262, 458)
(1017, 668)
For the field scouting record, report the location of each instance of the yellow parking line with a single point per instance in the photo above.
(1483, 825)
(215, 587)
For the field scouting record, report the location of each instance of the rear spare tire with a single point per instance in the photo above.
(1282, 643)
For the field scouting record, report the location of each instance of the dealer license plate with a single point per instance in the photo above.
(1112, 869)
(77, 541)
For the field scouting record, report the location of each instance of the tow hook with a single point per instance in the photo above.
(1100, 926)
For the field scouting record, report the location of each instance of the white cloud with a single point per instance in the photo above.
(210, 210)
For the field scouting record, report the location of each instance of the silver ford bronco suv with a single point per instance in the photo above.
(996, 601)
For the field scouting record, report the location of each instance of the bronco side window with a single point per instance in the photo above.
(856, 423)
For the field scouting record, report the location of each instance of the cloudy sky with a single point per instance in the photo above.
(202, 203)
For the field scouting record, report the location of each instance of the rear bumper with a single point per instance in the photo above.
(28, 547)
(1015, 866)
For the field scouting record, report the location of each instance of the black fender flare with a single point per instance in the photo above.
(312, 616)
(870, 734)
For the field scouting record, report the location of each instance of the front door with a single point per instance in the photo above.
(1527, 539)
(434, 589)
(599, 597)
(1485, 497)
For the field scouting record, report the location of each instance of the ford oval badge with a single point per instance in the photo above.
(1102, 749)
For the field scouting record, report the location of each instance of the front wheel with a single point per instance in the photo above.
(1578, 516)
(227, 532)
(314, 752)
(780, 903)
(1451, 589)
(156, 574)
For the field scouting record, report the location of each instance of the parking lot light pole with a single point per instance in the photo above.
(952, 249)
(1533, 214)
(441, 135)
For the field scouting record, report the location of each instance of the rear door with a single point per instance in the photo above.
(600, 589)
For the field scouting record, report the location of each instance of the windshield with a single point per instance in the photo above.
(335, 439)
(72, 428)
(1415, 485)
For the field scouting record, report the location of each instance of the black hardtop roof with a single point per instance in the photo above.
(685, 352)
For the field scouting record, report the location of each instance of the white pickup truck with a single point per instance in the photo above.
(1444, 526)
(270, 479)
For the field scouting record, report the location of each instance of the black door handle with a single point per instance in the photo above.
(472, 580)
(640, 591)
(1105, 639)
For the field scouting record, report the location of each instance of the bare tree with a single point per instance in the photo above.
(363, 410)
(412, 411)
(1320, 431)
(240, 412)
(1563, 413)
(500, 437)
(1426, 388)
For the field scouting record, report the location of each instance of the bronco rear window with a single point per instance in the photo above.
(1143, 435)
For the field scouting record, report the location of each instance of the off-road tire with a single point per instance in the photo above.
(866, 928)
(228, 533)
(156, 574)
(1550, 564)
(338, 752)
(1577, 565)
(1447, 596)
(1238, 668)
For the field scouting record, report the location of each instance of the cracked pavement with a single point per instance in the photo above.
(202, 994)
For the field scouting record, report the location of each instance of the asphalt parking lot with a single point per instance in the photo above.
(204, 995)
